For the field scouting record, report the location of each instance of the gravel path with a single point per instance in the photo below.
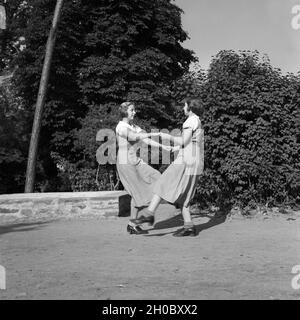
(236, 258)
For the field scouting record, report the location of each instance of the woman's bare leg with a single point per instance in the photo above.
(186, 215)
(154, 203)
(133, 210)
(188, 228)
(148, 214)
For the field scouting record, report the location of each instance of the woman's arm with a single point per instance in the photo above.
(157, 144)
(181, 141)
(136, 136)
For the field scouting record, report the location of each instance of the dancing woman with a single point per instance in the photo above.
(136, 176)
(178, 182)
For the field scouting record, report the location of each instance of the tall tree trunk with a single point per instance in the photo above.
(33, 148)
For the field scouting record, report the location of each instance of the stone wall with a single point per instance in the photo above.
(31, 206)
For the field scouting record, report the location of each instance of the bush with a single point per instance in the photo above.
(251, 127)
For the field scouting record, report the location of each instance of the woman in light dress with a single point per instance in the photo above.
(178, 182)
(136, 176)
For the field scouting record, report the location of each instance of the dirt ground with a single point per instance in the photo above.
(232, 258)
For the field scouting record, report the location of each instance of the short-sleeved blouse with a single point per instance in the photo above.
(127, 148)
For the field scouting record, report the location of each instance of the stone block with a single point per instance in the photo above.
(124, 205)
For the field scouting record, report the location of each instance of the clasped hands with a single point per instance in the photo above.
(170, 148)
(165, 136)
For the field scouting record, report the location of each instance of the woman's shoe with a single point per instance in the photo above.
(143, 219)
(184, 232)
(135, 230)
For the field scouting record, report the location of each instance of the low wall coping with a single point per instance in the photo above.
(63, 195)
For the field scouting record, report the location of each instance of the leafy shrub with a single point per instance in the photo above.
(251, 128)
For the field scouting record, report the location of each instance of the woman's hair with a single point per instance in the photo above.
(124, 107)
(194, 105)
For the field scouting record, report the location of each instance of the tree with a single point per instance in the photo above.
(133, 52)
(106, 51)
(190, 84)
(62, 110)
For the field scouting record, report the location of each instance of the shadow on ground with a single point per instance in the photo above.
(177, 221)
(21, 227)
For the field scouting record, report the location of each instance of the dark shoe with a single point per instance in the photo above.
(184, 232)
(135, 230)
(143, 219)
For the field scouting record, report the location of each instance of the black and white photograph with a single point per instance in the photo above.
(149, 152)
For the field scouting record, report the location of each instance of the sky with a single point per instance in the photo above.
(263, 25)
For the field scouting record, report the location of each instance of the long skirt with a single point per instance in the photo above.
(178, 182)
(138, 180)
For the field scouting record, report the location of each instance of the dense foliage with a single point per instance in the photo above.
(14, 118)
(106, 52)
(132, 52)
(252, 131)
(13, 137)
